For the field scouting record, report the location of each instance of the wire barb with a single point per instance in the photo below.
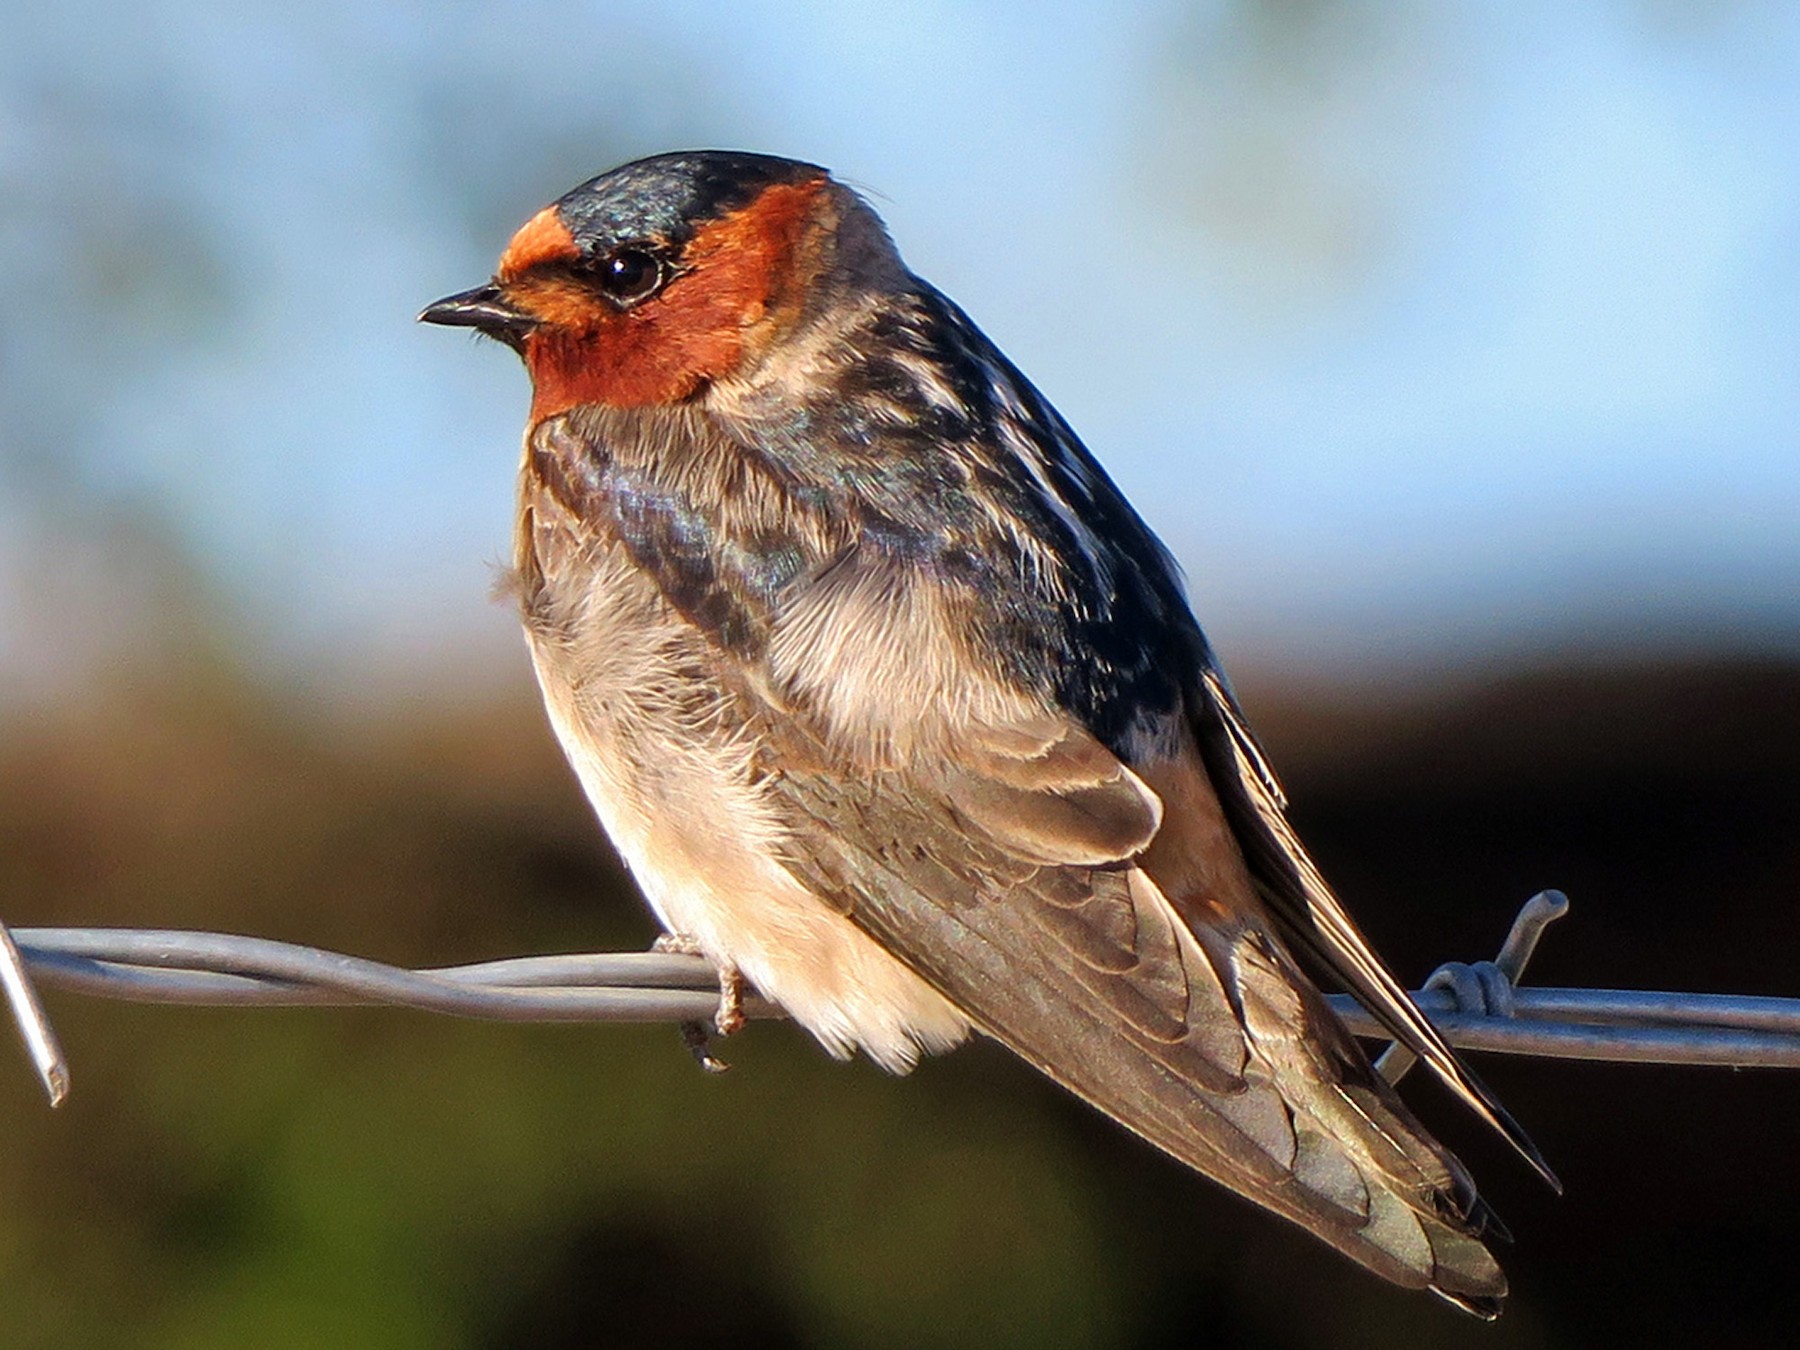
(34, 1024)
(1477, 1007)
(1486, 988)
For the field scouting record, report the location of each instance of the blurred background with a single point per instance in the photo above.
(1453, 349)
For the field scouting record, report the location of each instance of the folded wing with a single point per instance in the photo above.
(1047, 890)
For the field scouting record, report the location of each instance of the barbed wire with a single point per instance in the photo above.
(1479, 1006)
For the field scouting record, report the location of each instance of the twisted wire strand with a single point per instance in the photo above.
(1478, 1007)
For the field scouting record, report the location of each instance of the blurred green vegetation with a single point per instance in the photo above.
(380, 1178)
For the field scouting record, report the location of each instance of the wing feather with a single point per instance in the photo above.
(1313, 918)
(1203, 1038)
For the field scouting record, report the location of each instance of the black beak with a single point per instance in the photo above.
(486, 310)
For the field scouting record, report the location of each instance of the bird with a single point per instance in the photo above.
(897, 711)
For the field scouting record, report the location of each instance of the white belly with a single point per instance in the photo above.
(670, 778)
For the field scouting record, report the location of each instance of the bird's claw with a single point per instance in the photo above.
(727, 1021)
(694, 1035)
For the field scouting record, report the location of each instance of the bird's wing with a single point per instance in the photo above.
(1309, 913)
(1129, 601)
(1091, 924)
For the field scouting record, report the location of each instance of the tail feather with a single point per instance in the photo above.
(1317, 1136)
(1357, 1140)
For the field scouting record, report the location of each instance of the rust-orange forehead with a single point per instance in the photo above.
(543, 238)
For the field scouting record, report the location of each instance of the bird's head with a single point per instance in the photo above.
(648, 284)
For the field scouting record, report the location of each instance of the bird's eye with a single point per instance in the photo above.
(630, 275)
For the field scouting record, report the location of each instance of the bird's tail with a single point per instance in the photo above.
(1333, 1146)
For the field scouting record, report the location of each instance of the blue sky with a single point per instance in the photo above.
(1423, 333)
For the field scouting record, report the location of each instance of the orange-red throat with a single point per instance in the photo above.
(726, 293)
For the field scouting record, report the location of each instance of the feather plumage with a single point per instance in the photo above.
(892, 702)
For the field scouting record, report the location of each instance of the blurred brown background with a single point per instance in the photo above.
(1453, 355)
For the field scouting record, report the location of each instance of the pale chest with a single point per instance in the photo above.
(666, 744)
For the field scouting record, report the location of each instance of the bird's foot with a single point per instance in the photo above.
(727, 1021)
(730, 1017)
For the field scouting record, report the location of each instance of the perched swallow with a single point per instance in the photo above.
(896, 708)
